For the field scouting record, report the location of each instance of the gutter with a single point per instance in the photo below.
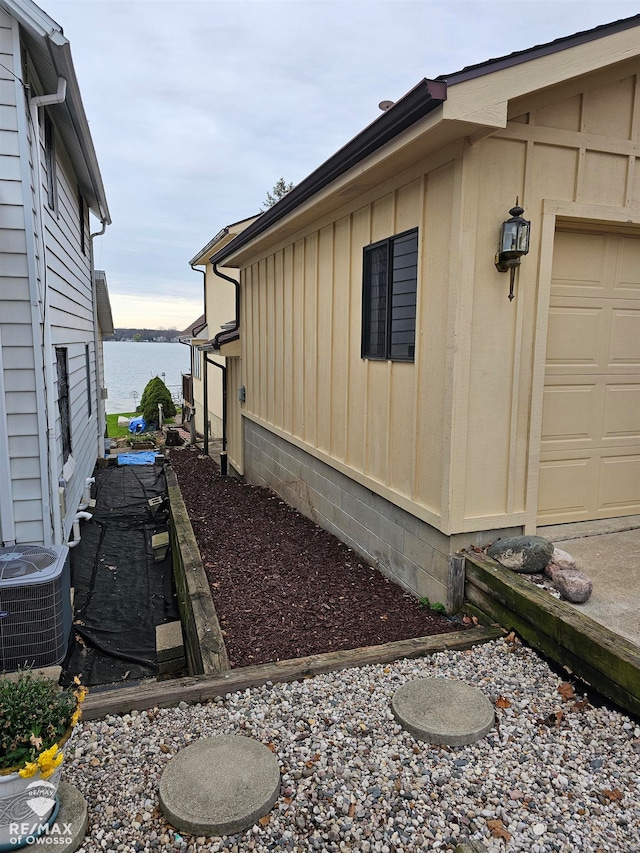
(423, 99)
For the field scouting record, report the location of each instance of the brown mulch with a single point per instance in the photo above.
(282, 586)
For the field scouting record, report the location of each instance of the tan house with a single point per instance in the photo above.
(221, 313)
(383, 382)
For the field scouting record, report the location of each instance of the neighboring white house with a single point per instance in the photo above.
(54, 307)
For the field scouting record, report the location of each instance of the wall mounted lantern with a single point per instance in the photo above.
(514, 243)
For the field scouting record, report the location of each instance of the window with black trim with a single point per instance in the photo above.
(64, 407)
(50, 161)
(389, 287)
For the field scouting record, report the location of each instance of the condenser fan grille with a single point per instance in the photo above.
(18, 562)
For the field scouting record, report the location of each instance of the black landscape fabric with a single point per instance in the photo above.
(120, 592)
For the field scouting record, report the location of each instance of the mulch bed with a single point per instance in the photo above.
(282, 586)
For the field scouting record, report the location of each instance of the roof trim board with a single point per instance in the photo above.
(464, 97)
(423, 99)
(229, 231)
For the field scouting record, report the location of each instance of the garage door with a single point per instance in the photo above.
(590, 452)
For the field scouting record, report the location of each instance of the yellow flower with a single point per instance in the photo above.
(46, 757)
(75, 717)
(57, 761)
(30, 769)
(80, 694)
(48, 760)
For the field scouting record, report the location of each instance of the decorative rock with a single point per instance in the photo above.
(560, 561)
(573, 585)
(563, 559)
(526, 554)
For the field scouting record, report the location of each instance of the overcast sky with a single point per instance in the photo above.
(197, 107)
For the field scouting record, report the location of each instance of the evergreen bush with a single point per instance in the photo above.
(156, 392)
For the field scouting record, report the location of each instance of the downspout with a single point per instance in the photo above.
(34, 104)
(100, 407)
(192, 420)
(216, 345)
(223, 454)
(236, 319)
(205, 426)
(7, 519)
(205, 418)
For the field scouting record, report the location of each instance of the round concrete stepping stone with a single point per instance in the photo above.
(219, 785)
(68, 830)
(443, 710)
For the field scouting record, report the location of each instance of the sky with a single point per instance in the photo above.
(198, 107)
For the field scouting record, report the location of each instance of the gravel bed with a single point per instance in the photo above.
(555, 774)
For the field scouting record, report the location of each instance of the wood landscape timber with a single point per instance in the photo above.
(605, 660)
(202, 688)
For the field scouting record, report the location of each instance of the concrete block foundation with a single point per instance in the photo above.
(403, 547)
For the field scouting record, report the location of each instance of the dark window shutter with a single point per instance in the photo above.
(376, 274)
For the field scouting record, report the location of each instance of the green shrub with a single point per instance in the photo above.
(156, 392)
(34, 714)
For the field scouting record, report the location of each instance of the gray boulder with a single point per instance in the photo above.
(526, 554)
(573, 585)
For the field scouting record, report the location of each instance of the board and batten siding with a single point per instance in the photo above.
(383, 423)
(572, 156)
(453, 438)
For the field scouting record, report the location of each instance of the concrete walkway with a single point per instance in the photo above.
(609, 552)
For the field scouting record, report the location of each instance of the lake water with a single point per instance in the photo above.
(128, 366)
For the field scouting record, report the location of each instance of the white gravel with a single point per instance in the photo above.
(554, 775)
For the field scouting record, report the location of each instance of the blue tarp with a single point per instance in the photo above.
(137, 425)
(141, 457)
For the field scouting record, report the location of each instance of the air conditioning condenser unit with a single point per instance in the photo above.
(35, 605)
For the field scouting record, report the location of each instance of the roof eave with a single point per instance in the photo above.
(97, 200)
(423, 99)
(55, 52)
(555, 46)
(226, 234)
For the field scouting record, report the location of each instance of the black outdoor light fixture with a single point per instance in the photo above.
(514, 243)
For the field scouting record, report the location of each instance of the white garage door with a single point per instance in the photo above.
(590, 452)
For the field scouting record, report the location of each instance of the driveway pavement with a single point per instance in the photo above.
(609, 552)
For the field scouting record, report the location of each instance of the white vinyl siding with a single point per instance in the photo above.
(69, 309)
(22, 468)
